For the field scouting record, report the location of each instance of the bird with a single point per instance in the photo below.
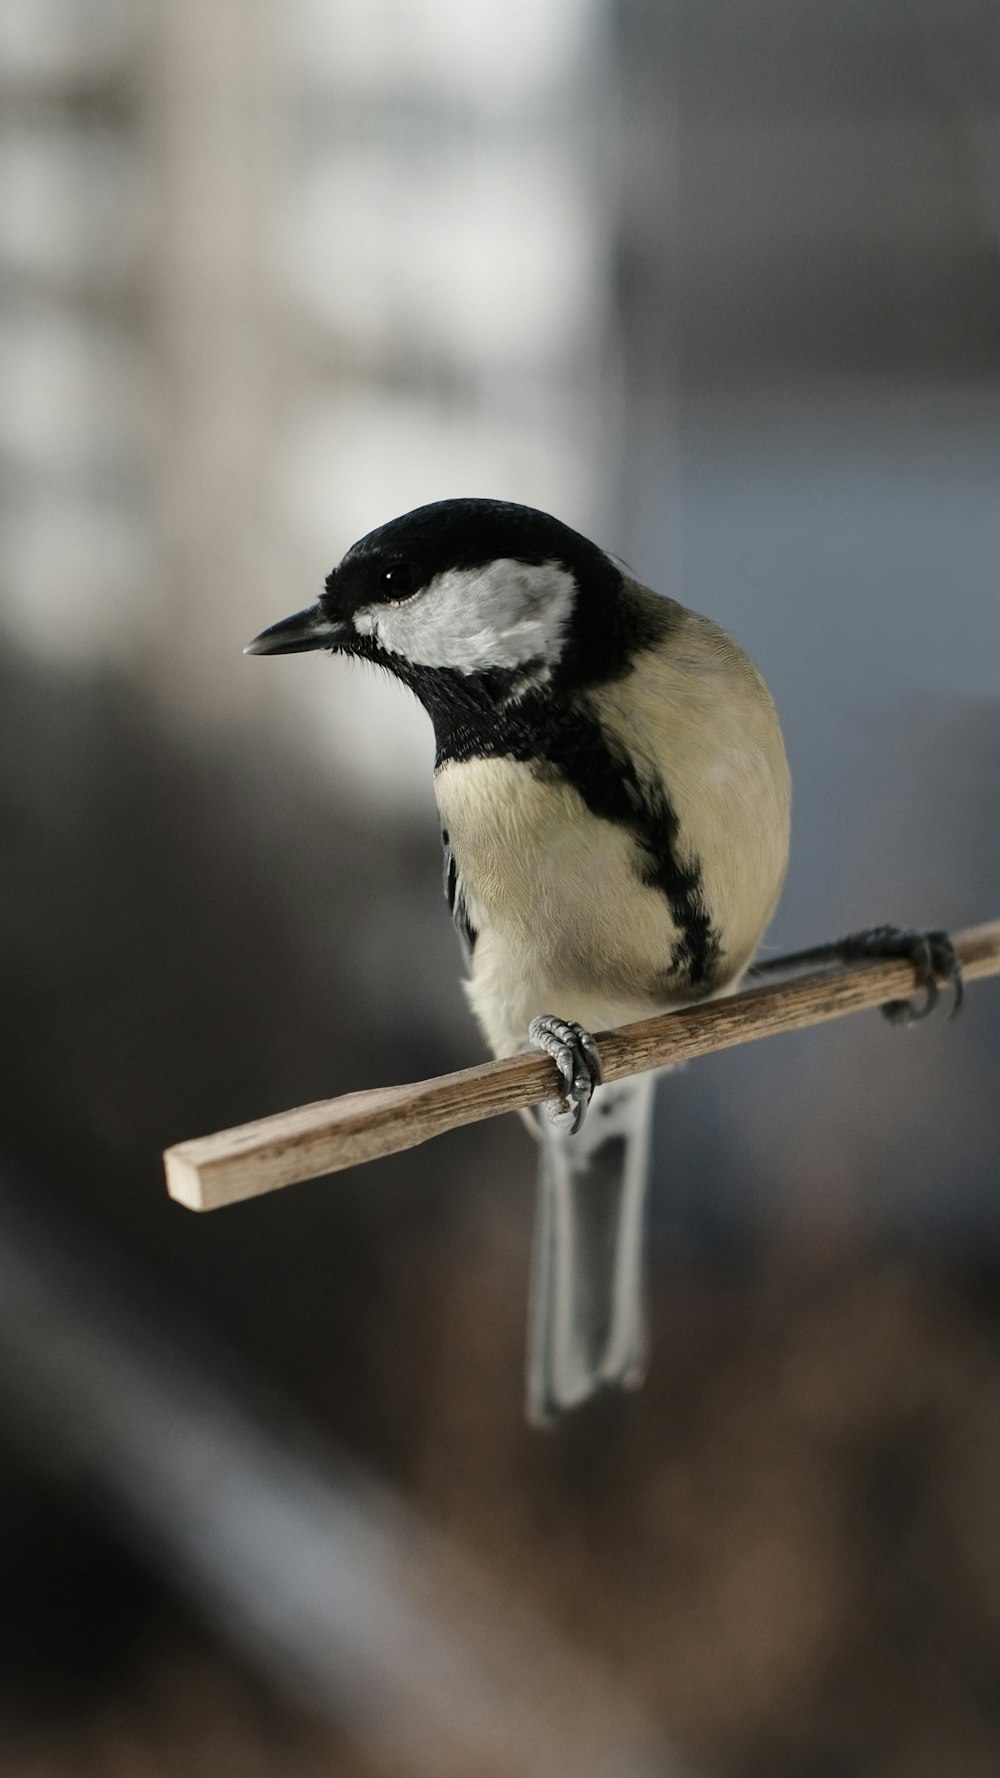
(614, 800)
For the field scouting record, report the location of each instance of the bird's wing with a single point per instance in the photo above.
(455, 897)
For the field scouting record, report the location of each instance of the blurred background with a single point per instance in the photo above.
(719, 284)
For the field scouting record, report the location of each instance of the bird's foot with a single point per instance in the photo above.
(932, 955)
(578, 1060)
(934, 961)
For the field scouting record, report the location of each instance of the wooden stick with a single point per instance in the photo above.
(332, 1134)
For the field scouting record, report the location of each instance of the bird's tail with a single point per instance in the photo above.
(587, 1321)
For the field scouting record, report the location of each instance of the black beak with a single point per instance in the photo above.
(295, 635)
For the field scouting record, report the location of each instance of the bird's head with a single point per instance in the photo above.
(464, 593)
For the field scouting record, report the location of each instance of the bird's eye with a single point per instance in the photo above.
(398, 581)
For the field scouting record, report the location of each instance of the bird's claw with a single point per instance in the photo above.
(578, 1060)
(934, 960)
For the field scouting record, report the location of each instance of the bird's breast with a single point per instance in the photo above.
(546, 882)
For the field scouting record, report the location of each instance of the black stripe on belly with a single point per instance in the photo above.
(605, 776)
(570, 745)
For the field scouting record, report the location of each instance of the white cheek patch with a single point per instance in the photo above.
(501, 615)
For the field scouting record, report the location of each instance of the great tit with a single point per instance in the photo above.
(614, 801)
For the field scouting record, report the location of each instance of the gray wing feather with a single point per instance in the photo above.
(455, 897)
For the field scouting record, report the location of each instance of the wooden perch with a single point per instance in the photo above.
(332, 1134)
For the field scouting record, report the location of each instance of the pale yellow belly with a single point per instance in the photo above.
(565, 925)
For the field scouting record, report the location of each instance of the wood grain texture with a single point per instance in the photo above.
(210, 1171)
